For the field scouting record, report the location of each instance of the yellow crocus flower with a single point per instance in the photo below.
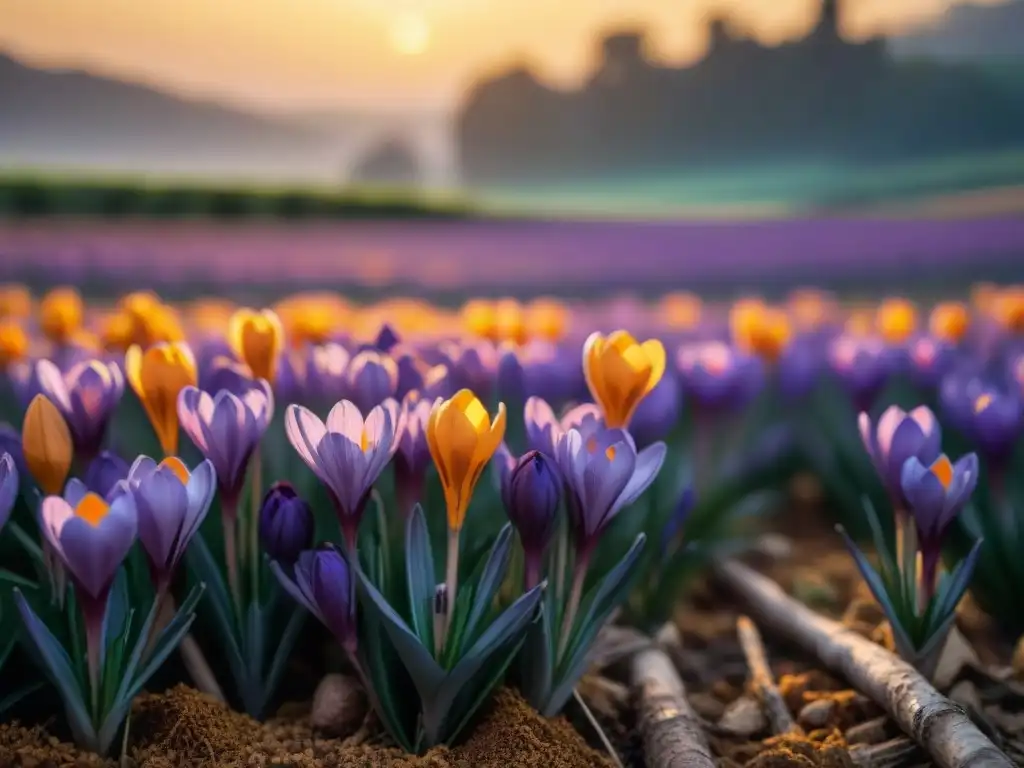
(257, 339)
(47, 445)
(620, 372)
(158, 375)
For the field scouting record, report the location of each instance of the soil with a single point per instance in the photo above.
(186, 728)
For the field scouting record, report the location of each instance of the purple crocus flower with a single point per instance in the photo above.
(509, 376)
(172, 503)
(552, 372)
(658, 412)
(412, 458)
(543, 430)
(996, 421)
(105, 472)
(531, 491)
(227, 429)
(473, 366)
(346, 453)
(10, 443)
(286, 525)
(91, 538)
(863, 367)
(386, 339)
(928, 361)
(87, 396)
(322, 583)
(717, 377)
(603, 473)
(8, 487)
(936, 492)
(896, 437)
(223, 373)
(800, 367)
(371, 378)
(323, 380)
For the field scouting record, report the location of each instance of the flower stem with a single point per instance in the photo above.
(229, 519)
(93, 610)
(561, 559)
(575, 594)
(531, 570)
(256, 470)
(451, 579)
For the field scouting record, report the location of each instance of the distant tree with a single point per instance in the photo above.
(389, 162)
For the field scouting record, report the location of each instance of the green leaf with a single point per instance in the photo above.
(57, 666)
(426, 674)
(536, 661)
(505, 629)
(18, 581)
(17, 695)
(486, 588)
(219, 604)
(284, 648)
(388, 682)
(420, 576)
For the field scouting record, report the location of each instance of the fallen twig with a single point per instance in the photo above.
(671, 731)
(762, 681)
(940, 726)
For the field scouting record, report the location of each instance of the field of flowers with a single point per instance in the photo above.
(326, 533)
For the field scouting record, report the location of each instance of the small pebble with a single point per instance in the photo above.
(706, 706)
(956, 654)
(868, 732)
(339, 705)
(744, 717)
(816, 714)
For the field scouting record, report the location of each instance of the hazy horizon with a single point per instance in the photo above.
(413, 57)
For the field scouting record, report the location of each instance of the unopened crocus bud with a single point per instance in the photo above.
(46, 445)
(531, 494)
(158, 375)
(323, 584)
(896, 437)
(996, 420)
(8, 486)
(257, 339)
(104, 472)
(286, 524)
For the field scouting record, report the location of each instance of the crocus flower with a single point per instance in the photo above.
(322, 583)
(658, 413)
(896, 320)
(863, 367)
(91, 539)
(412, 459)
(370, 379)
(171, 503)
(949, 321)
(800, 368)
(996, 423)
(620, 372)
(46, 445)
(897, 437)
(158, 375)
(226, 373)
(10, 443)
(462, 439)
(551, 372)
(8, 487)
(929, 360)
(227, 429)
(472, 366)
(105, 472)
(60, 314)
(13, 343)
(87, 396)
(324, 377)
(257, 339)
(543, 430)
(603, 473)
(531, 492)
(718, 377)
(936, 492)
(286, 524)
(386, 339)
(346, 453)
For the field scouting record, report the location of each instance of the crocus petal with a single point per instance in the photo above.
(141, 468)
(162, 505)
(305, 432)
(75, 491)
(604, 479)
(648, 464)
(92, 554)
(199, 491)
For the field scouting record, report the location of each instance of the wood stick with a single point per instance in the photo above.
(941, 727)
(671, 730)
(889, 754)
(761, 679)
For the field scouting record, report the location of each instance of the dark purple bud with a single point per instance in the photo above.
(996, 422)
(371, 378)
(104, 472)
(286, 524)
(531, 493)
(387, 339)
(323, 577)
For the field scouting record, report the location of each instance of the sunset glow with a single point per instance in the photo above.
(280, 54)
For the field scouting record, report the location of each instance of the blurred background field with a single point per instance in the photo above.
(439, 147)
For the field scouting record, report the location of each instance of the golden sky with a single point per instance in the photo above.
(319, 54)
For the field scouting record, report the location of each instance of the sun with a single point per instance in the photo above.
(409, 34)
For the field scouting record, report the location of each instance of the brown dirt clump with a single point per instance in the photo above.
(820, 749)
(35, 748)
